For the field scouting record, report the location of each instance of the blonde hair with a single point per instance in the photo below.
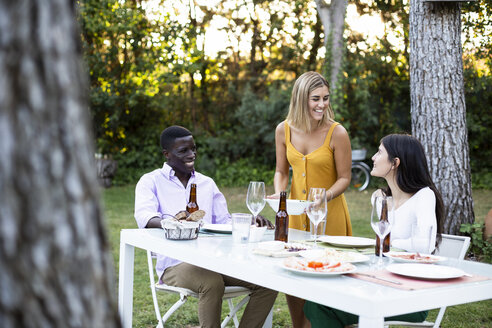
(299, 116)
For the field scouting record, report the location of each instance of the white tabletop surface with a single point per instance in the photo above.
(372, 302)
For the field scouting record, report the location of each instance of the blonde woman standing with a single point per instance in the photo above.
(318, 150)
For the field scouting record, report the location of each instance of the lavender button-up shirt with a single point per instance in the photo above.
(160, 192)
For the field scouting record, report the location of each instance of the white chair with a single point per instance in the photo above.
(229, 293)
(451, 246)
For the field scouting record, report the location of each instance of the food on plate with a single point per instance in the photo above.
(278, 248)
(330, 254)
(317, 265)
(417, 257)
(296, 247)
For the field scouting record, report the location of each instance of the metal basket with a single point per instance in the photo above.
(359, 154)
(182, 234)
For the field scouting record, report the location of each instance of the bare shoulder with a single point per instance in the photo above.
(280, 127)
(340, 138)
(280, 131)
(340, 132)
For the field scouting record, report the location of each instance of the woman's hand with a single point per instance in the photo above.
(274, 196)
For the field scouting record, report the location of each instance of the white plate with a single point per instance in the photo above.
(294, 206)
(334, 255)
(425, 271)
(224, 228)
(317, 273)
(424, 258)
(277, 248)
(348, 241)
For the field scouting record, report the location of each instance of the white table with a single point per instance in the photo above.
(372, 302)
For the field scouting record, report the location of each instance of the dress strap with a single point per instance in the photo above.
(287, 132)
(330, 132)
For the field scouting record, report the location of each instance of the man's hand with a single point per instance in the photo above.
(261, 222)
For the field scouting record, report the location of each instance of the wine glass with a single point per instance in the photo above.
(382, 220)
(255, 198)
(316, 209)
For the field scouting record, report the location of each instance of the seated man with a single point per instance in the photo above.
(164, 191)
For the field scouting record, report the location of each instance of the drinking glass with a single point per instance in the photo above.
(380, 224)
(241, 223)
(316, 209)
(255, 198)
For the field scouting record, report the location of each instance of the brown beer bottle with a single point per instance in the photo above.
(386, 241)
(282, 219)
(192, 205)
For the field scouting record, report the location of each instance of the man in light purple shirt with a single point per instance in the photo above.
(164, 192)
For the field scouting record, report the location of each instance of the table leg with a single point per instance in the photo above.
(366, 322)
(125, 288)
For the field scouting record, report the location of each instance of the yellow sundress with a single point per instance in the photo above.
(317, 170)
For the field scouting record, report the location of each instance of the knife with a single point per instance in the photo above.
(379, 278)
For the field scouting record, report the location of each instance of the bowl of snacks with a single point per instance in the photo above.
(183, 225)
(294, 206)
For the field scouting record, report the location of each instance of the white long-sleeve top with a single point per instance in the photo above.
(419, 209)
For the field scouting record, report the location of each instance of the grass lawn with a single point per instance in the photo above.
(119, 204)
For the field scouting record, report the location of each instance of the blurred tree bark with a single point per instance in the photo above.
(332, 16)
(438, 108)
(55, 267)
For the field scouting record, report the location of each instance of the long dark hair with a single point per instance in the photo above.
(413, 173)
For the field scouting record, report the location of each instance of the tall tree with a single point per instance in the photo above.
(438, 104)
(55, 267)
(332, 16)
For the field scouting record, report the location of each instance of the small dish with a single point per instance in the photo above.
(414, 257)
(294, 206)
(221, 228)
(301, 266)
(256, 233)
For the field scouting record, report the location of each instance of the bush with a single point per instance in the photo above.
(480, 248)
(240, 173)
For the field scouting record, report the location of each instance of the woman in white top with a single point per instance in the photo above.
(401, 161)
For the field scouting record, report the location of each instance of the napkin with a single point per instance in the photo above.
(386, 278)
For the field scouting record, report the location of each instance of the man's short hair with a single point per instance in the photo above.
(170, 134)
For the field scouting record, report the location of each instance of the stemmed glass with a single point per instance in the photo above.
(382, 220)
(316, 209)
(255, 198)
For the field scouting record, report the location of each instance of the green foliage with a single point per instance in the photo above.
(240, 173)
(478, 93)
(480, 247)
(148, 73)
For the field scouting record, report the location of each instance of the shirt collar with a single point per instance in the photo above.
(169, 172)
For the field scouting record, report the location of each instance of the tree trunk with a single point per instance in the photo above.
(55, 265)
(438, 104)
(333, 18)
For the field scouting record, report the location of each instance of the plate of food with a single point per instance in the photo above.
(276, 248)
(294, 206)
(317, 268)
(425, 271)
(347, 241)
(407, 257)
(330, 254)
(219, 227)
